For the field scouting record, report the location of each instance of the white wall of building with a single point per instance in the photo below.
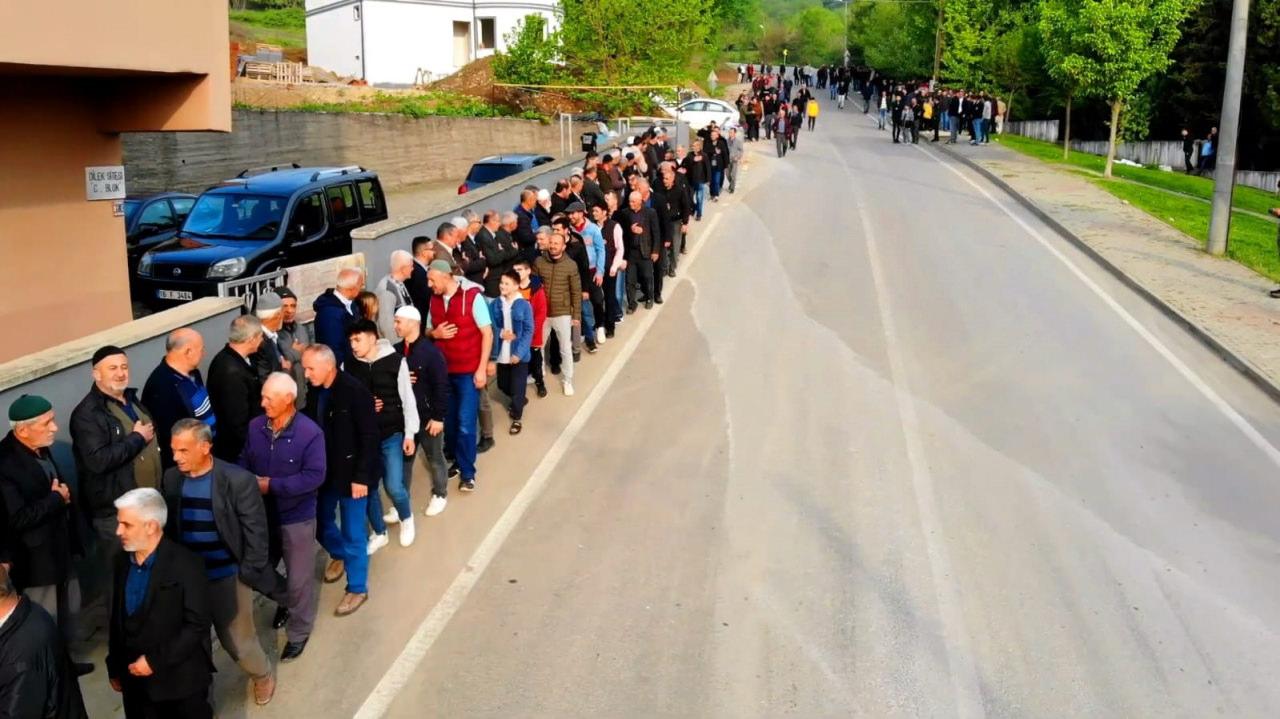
(402, 36)
(333, 36)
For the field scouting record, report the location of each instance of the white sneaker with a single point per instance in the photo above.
(437, 505)
(530, 381)
(406, 532)
(600, 338)
(568, 389)
(376, 542)
(391, 517)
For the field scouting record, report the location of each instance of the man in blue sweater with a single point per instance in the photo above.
(175, 390)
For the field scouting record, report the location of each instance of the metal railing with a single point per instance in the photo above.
(249, 288)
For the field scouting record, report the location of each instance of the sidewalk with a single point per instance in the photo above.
(1224, 303)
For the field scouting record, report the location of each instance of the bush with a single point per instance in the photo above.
(283, 18)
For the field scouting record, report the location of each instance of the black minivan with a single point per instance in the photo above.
(261, 221)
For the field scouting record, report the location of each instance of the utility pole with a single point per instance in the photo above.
(937, 41)
(1224, 176)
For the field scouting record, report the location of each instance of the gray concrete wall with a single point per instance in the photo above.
(403, 150)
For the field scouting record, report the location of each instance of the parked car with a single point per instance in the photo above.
(499, 167)
(702, 111)
(152, 219)
(260, 221)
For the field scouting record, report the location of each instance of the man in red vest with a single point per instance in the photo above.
(459, 321)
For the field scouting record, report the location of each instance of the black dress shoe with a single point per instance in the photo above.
(281, 618)
(83, 668)
(484, 445)
(292, 650)
(659, 300)
(1275, 293)
(542, 390)
(648, 305)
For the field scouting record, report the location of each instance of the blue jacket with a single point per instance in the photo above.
(594, 240)
(332, 320)
(294, 461)
(521, 324)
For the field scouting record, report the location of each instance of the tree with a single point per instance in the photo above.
(968, 27)
(1017, 61)
(1115, 45)
(1066, 58)
(895, 39)
(819, 36)
(529, 54)
(619, 42)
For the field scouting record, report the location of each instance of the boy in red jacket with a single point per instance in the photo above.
(531, 290)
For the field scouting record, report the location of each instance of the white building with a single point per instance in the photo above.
(389, 41)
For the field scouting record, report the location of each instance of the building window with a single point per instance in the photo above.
(487, 32)
(355, 13)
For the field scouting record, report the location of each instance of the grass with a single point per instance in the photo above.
(290, 19)
(428, 104)
(1252, 242)
(286, 28)
(1244, 198)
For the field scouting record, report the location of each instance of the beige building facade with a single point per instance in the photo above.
(74, 74)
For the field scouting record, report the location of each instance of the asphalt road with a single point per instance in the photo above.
(891, 448)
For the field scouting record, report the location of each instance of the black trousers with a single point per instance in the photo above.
(137, 705)
(897, 129)
(513, 381)
(672, 253)
(596, 297)
(535, 366)
(644, 271)
(611, 309)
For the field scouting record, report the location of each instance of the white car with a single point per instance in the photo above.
(700, 112)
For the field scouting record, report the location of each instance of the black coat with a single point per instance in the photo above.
(37, 527)
(236, 395)
(592, 194)
(104, 452)
(470, 260)
(649, 242)
(352, 448)
(171, 626)
(240, 517)
(500, 254)
(37, 679)
(419, 289)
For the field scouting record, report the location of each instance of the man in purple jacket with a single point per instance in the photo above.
(285, 450)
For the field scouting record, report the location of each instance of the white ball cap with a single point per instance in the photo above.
(409, 312)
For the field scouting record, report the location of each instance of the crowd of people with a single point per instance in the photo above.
(780, 100)
(915, 109)
(200, 492)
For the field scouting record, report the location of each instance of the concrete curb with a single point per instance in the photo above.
(1233, 358)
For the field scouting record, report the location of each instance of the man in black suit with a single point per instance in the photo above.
(343, 408)
(498, 247)
(158, 650)
(36, 675)
(235, 390)
(423, 252)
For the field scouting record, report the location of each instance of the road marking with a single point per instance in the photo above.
(953, 629)
(1244, 425)
(433, 625)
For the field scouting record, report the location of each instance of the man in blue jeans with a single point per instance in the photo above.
(386, 374)
(344, 410)
(458, 320)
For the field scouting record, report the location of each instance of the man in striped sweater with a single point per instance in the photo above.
(216, 511)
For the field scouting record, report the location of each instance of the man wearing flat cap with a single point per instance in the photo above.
(38, 534)
(114, 443)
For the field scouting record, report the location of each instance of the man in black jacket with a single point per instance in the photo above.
(217, 512)
(234, 387)
(114, 443)
(645, 230)
(36, 675)
(175, 390)
(526, 224)
(423, 251)
(158, 651)
(37, 518)
(671, 203)
(470, 260)
(344, 410)
(429, 374)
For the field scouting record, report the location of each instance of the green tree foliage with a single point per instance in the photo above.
(818, 36)
(895, 39)
(623, 42)
(1119, 44)
(1067, 59)
(969, 26)
(1016, 60)
(529, 55)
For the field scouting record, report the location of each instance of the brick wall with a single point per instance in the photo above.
(403, 150)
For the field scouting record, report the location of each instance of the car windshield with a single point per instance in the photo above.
(491, 171)
(131, 209)
(235, 216)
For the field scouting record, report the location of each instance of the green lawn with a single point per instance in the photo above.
(1245, 198)
(286, 28)
(1253, 239)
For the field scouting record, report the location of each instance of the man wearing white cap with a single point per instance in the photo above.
(429, 375)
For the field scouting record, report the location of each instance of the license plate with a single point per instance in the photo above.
(173, 294)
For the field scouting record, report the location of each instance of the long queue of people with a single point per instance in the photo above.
(784, 104)
(204, 492)
(911, 110)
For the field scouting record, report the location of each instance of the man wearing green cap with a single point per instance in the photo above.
(37, 514)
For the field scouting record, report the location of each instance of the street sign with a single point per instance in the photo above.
(105, 182)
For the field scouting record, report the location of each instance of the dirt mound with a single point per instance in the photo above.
(476, 79)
